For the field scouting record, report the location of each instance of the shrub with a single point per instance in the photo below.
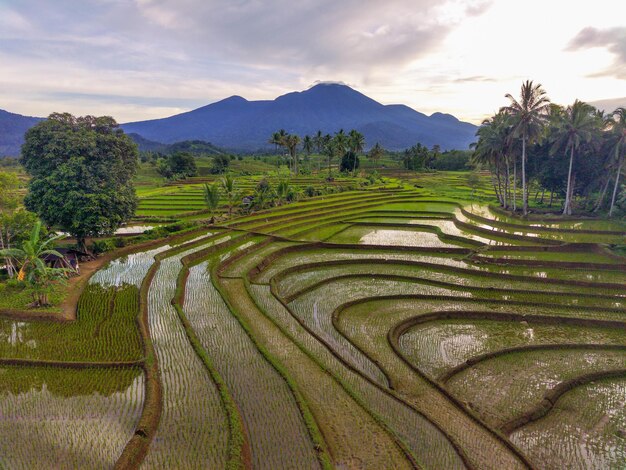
(102, 246)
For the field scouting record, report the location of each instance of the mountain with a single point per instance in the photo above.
(194, 147)
(12, 128)
(241, 125)
(146, 145)
(610, 105)
(238, 124)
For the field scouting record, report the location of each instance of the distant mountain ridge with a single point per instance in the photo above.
(12, 129)
(195, 147)
(238, 124)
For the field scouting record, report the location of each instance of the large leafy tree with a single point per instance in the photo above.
(81, 174)
(578, 125)
(528, 118)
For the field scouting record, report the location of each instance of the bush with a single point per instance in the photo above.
(454, 160)
(15, 284)
(102, 246)
(349, 162)
(220, 164)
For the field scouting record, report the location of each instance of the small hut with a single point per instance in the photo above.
(69, 259)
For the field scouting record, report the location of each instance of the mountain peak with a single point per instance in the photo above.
(234, 99)
(237, 124)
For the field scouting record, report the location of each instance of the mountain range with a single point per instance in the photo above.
(12, 128)
(237, 124)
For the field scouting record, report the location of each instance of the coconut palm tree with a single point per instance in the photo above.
(491, 149)
(229, 186)
(290, 142)
(331, 150)
(356, 143)
(528, 117)
(211, 198)
(579, 124)
(307, 144)
(341, 141)
(318, 141)
(34, 270)
(618, 131)
(376, 152)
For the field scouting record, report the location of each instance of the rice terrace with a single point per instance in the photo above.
(389, 327)
(312, 279)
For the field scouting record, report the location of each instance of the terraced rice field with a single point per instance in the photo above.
(389, 328)
(186, 198)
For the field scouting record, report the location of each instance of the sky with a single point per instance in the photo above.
(145, 59)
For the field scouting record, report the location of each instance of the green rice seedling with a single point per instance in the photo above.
(503, 387)
(263, 398)
(437, 346)
(190, 397)
(584, 430)
(64, 418)
(426, 441)
(351, 433)
(105, 330)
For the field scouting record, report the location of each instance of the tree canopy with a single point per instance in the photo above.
(81, 172)
(575, 152)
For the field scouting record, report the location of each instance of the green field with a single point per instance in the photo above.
(402, 324)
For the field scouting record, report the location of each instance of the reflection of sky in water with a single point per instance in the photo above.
(130, 269)
(133, 229)
(403, 238)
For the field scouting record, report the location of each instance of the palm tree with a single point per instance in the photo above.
(578, 125)
(33, 268)
(290, 142)
(282, 191)
(491, 149)
(618, 130)
(376, 153)
(277, 138)
(230, 191)
(356, 143)
(341, 141)
(307, 144)
(318, 140)
(529, 115)
(331, 150)
(211, 198)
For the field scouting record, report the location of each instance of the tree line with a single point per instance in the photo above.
(348, 146)
(575, 152)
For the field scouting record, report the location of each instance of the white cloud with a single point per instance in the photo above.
(457, 56)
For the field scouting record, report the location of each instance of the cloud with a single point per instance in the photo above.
(612, 39)
(474, 78)
(609, 105)
(195, 49)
